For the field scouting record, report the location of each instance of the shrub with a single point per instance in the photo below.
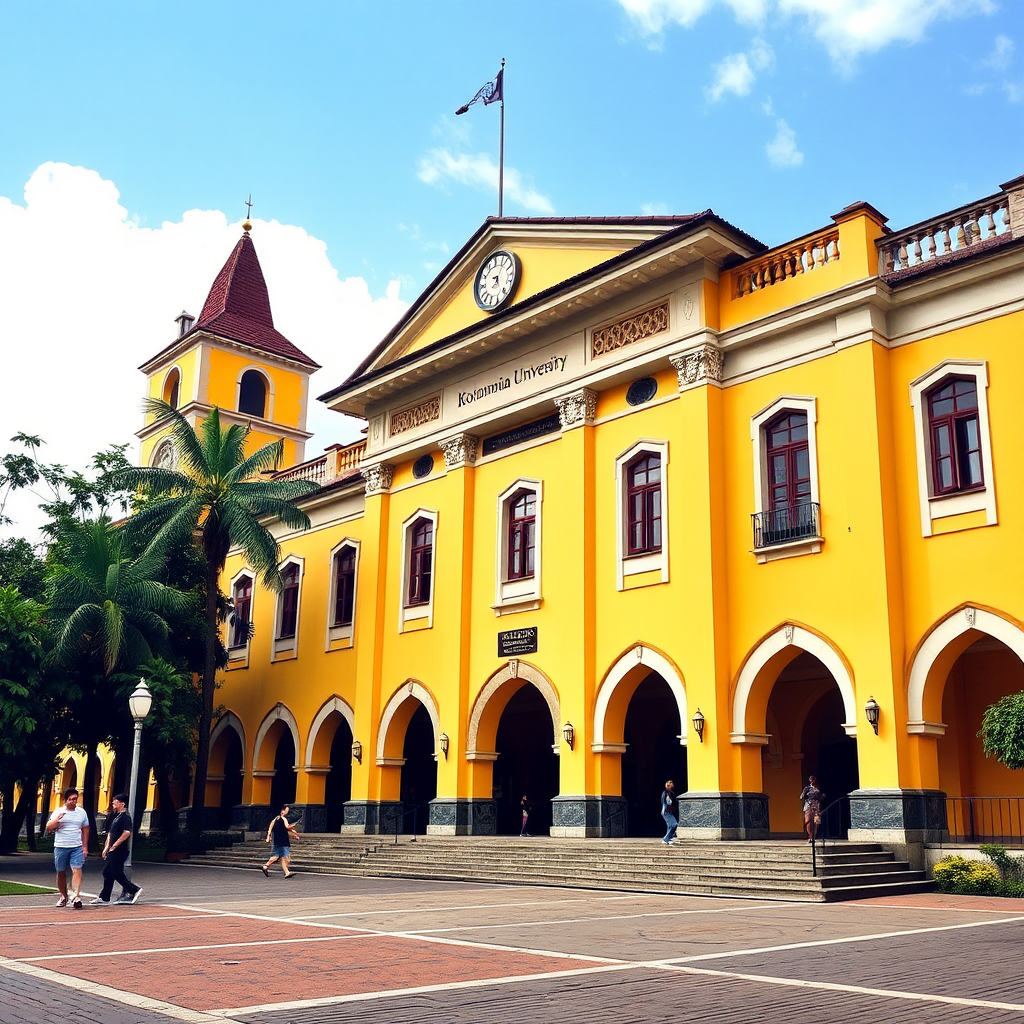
(1010, 868)
(967, 877)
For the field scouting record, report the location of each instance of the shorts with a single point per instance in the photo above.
(68, 856)
(282, 851)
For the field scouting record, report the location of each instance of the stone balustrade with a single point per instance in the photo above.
(945, 235)
(790, 260)
(338, 461)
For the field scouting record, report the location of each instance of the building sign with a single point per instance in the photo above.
(529, 374)
(518, 435)
(514, 642)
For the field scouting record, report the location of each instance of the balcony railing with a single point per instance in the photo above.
(785, 525)
(335, 463)
(791, 260)
(985, 819)
(949, 234)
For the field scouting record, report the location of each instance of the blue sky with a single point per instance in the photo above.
(339, 119)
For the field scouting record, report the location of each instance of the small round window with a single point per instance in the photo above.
(423, 466)
(642, 390)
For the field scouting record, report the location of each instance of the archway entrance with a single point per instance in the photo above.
(653, 755)
(527, 764)
(985, 799)
(805, 718)
(282, 787)
(419, 773)
(338, 784)
(231, 787)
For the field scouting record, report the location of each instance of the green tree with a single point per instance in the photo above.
(1002, 731)
(218, 493)
(107, 612)
(21, 567)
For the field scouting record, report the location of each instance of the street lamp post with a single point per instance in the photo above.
(139, 704)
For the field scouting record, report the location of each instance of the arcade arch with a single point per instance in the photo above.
(274, 758)
(329, 760)
(407, 751)
(227, 762)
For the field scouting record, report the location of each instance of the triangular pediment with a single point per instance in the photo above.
(549, 250)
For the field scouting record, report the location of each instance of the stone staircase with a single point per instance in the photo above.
(777, 869)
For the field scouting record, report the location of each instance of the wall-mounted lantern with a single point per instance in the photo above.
(871, 709)
(569, 732)
(698, 724)
(357, 751)
(444, 741)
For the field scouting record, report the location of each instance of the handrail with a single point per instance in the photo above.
(400, 818)
(823, 829)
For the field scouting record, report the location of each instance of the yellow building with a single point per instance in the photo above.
(641, 498)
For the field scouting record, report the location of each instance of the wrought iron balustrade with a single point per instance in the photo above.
(785, 525)
(985, 819)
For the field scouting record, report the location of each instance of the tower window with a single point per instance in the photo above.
(171, 388)
(252, 394)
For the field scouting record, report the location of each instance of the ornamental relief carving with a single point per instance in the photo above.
(378, 478)
(459, 451)
(579, 407)
(704, 363)
(415, 416)
(629, 330)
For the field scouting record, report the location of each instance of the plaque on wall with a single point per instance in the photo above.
(514, 642)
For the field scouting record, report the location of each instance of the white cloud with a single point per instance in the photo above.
(87, 295)
(1001, 56)
(441, 166)
(847, 28)
(782, 150)
(1014, 91)
(738, 72)
(655, 209)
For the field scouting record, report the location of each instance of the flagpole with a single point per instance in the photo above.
(501, 143)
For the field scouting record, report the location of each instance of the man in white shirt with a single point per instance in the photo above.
(70, 827)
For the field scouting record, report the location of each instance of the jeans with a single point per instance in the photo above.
(671, 824)
(113, 871)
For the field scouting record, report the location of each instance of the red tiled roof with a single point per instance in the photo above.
(238, 308)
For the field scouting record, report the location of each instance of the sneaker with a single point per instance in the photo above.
(99, 902)
(265, 870)
(134, 898)
(62, 902)
(76, 903)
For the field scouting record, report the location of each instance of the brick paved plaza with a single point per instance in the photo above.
(216, 944)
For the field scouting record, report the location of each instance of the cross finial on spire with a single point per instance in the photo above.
(248, 207)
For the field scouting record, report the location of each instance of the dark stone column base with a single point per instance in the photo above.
(457, 816)
(309, 817)
(587, 817)
(902, 819)
(723, 816)
(371, 817)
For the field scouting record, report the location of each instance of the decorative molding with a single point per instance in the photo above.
(378, 478)
(789, 632)
(579, 407)
(415, 416)
(460, 451)
(699, 364)
(630, 329)
(969, 614)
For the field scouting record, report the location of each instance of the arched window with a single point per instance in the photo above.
(172, 385)
(522, 535)
(421, 556)
(955, 436)
(344, 586)
(643, 504)
(252, 394)
(240, 625)
(789, 463)
(289, 602)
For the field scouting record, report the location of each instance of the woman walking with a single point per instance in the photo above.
(669, 806)
(524, 810)
(812, 797)
(280, 830)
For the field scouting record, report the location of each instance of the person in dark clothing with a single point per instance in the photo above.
(115, 854)
(280, 830)
(669, 808)
(524, 810)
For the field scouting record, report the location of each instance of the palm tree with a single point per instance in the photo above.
(106, 612)
(217, 494)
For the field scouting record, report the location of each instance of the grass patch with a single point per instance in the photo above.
(19, 889)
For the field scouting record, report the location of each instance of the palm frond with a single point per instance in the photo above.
(186, 444)
(265, 458)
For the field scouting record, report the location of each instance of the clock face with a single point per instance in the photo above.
(497, 280)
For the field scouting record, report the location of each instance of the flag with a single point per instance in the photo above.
(490, 93)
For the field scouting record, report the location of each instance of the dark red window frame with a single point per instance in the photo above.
(522, 535)
(643, 505)
(788, 459)
(344, 586)
(289, 601)
(421, 557)
(954, 431)
(243, 611)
